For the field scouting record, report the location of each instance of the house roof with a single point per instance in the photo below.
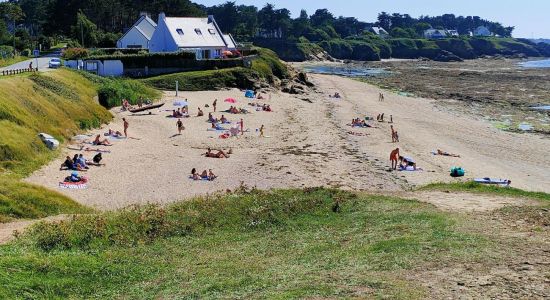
(231, 44)
(145, 25)
(195, 32)
(435, 31)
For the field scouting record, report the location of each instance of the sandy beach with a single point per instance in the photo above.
(309, 144)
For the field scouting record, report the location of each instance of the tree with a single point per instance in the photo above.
(85, 31)
(384, 20)
(419, 28)
(321, 17)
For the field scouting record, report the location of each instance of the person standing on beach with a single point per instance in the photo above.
(242, 126)
(381, 97)
(393, 139)
(394, 157)
(126, 125)
(262, 131)
(179, 125)
(214, 104)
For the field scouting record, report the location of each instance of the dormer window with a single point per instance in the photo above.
(198, 31)
(179, 31)
(212, 31)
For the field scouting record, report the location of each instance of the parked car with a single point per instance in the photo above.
(55, 63)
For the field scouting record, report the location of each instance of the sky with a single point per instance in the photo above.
(530, 17)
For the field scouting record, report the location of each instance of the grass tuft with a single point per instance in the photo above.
(474, 187)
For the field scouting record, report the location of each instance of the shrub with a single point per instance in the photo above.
(404, 48)
(26, 52)
(6, 51)
(75, 53)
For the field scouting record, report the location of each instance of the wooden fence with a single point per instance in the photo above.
(18, 71)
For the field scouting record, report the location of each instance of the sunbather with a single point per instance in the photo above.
(439, 152)
(211, 118)
(223, 120)
(220, 154)
(98, 142)
(200, 113)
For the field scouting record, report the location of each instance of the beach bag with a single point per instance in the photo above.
(457, 172)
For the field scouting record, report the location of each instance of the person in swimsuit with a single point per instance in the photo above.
(223, 119)
(179, 125)
(201, 113)
(242, 126)
(220, 154)
(214, 104)
(98, 142)
(394, 157)
(262, 131)
(439, 152)
(126, 125)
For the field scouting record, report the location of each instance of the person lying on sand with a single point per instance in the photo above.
(98, 142)
(443, 153)
(336, 95)
(220, 154)
(200, 113)
(266, 107)
(113, 133)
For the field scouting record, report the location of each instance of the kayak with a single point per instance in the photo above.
(494, 181)
(145, 108)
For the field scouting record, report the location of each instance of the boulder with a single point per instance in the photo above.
(446, 56)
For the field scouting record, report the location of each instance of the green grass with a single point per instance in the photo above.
(205, 80)
(58, 103)
(474, 187)
(111, 91)
(10, 61)
(278, 244)
(19, 200)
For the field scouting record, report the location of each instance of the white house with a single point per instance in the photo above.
(435, 33)
(231, 44)
(139, 35)
(482, 31)
(199, 35)
(379, 31)
(453, 32)
(106, 68)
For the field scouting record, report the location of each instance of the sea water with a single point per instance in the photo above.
(346, 70)
(536, 64)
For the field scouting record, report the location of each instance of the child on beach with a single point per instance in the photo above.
(394, 157)
(179, 125)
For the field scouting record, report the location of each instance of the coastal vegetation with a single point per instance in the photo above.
(57, 103)
(314, 242)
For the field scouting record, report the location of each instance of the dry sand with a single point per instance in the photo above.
(309, 145)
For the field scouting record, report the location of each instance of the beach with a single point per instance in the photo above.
(309, 144)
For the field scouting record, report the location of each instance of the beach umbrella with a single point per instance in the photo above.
(181, 103)
(230, 100)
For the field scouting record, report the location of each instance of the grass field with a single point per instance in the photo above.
(473, 187)
(59, 103)
(282, 244)
(10, 61)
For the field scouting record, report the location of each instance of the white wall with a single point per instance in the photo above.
(133, 37)
(113, 68)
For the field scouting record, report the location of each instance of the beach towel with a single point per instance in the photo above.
(409, 169)
(74, 185)
(202, 179)
(225, 136)
(487, 180)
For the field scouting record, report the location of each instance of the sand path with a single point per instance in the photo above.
(309, 145)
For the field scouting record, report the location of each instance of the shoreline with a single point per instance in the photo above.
(309, 145)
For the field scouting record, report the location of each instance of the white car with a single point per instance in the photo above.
(54, 63)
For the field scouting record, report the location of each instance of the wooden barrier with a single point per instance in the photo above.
(18, 71)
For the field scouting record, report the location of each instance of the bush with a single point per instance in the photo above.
(75, 53)
(404, 48)
(111, 91)
(6, 51)
(459, 47)
(26, 52)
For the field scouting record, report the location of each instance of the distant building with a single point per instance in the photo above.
(199, 35)
(379, 31)
(436, 33)
(482, 31)
(453, 32)
(139, 35)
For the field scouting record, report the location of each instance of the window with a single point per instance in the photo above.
(212, 31)
(198, 31)
(179, 31)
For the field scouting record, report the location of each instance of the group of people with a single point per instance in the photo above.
(234, 110)
(263, 107)
(394, 135)
(359, 123)
(210, 176)
(79, 163)
(404, 163)
(180, 113)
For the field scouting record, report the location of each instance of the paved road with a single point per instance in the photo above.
(42, 63)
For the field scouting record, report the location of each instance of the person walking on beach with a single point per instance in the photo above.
(214, 104)
(242, 126)
(262, 131)
(380, 97)
(126, 125)
(393, 134)
(394, 158)
(179, 125)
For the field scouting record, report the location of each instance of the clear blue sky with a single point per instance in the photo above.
(530, 17)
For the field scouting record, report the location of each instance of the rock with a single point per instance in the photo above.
(446, 56)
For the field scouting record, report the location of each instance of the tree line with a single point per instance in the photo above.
(101, 22)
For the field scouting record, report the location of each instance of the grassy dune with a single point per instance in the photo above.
(285, 244)
(59, 103)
